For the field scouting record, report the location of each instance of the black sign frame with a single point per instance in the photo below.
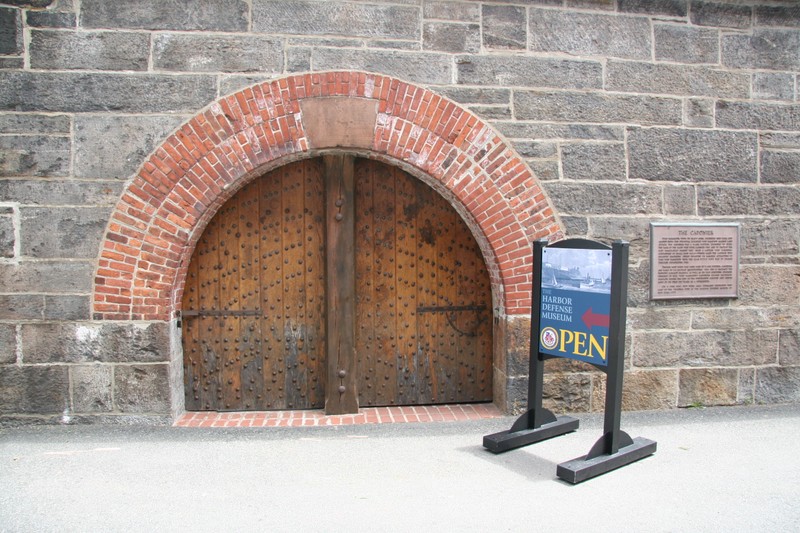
(615, 448)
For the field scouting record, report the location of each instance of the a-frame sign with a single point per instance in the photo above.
(578, 311)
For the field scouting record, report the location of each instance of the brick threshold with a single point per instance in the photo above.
(315, 418)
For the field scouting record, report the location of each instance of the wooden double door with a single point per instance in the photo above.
(336, 282)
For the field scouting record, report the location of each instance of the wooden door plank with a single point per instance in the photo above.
(366, 362)
(249, 341)
(313, 313)
(341, 395)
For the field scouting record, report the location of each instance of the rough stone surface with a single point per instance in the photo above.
(699, 112)
(141, 389)
(60, 50)
(416, 67)
(567, 393)
(680, 200)
(8, 343)
(721, 15)
(780, 167)
(51, 19)
(528, 71)
(66, 307)
(34, 155)
(692, 155)
(604, 198)
(504, 27)
(21, 306)
(222, 53)
(752, 116)
(763, 285)
(773, 86)
(448, 37)
(590, 35)
(335, 18)
(582, 107)
(33, 389)
(62, 232)
(777, 384)
(74, 92)
(7, 237)
(732, 201)
(94, 342)
(641, 390)
(685, 80)
(109, 147)
(604, 162)
(789, 348)
(705, 349)
(208, 15)
(704, 387)
(685, 44)
(57, 192)
(770, 237)
(765, 49)
(671, 8)
(10, 32)
(447, 10)
(784, 15)
(56, 277)
(92, 388)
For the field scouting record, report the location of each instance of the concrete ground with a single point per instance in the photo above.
(717, 469)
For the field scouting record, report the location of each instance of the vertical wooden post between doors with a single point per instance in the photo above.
(341, 396)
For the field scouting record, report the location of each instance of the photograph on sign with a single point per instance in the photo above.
(575, 304)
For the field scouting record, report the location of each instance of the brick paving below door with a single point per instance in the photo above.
(367, 415)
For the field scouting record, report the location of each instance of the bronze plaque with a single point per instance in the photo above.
(694, 260)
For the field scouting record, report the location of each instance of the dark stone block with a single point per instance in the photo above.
(778, 384)
(686, 44)
(66, 50)
(454, 38)
(73, 92)
(217, 53)
(788, 16)
(683, 80)
(51, 19)
(528, 72)
(721, 15)
(300, 17)
(208, 15)
(92, 388)
(758, 116)
(604, 198)
(142, 389)
(780, 167)
(587, 162)
(600, 108)
(7, 236)
(692, 155)
(51, 276)
(66, 232)
(769, 49)
(10, 32)
(8, 343)
(67, 307)
(30, 124)
(34, 389)
(21, 307)
(416, 67)
(589, 34)
(52, 192)
(95, 342)
(113, 147)
(671, 8)
(34, 155)
(504, 27)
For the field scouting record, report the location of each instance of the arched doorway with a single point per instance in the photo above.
(337, 282)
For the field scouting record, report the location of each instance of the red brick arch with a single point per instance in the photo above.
(164, 209)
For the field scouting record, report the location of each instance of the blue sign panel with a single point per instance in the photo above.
(575, 304)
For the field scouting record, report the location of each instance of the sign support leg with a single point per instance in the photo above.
(615, 448)
(537, 423)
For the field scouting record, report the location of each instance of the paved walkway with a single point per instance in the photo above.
(726, 470)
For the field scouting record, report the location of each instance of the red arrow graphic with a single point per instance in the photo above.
(593, 319)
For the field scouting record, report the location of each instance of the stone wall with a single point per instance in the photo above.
(628, 112)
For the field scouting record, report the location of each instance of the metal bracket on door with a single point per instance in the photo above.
(450, 309)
